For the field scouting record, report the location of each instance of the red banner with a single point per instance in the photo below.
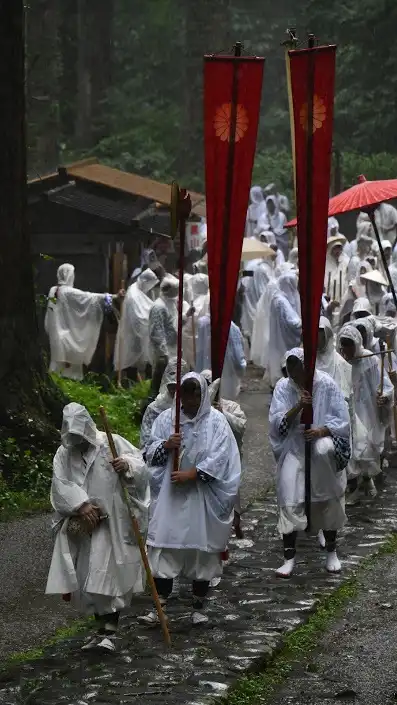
(232, 95)
(312, 86)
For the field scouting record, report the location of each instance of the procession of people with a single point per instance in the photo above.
(184, 484)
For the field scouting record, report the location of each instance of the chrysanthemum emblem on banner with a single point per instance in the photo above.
(222, 122)
(319, 114)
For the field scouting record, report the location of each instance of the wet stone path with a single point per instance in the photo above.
(249, 612)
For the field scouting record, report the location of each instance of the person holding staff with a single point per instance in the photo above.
(96, 563)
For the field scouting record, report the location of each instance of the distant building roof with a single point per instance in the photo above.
(90, 170)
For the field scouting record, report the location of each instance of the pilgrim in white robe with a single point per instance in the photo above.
(285, 325)
(356, 289)
(235, 363)
(328, 479)
(254, 287)
(190, 523)
(163, 320)
(330, 361)
(101, 570)
(335, 279)
(163, 401)
(201, 303)
(73, 324)
(385, 219)
(369, 434)
(132, 347)
(256, 206)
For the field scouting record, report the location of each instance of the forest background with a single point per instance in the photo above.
(122, 80)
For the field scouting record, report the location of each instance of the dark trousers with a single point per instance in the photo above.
(111, 619)
(199, 587)
(289, 543)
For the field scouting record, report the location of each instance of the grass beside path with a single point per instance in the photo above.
(260, 688)
(28, 490)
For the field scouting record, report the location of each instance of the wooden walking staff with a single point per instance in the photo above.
(329, 285)
(137, 534)
(340, 286)
(120, 371)
(180, 211)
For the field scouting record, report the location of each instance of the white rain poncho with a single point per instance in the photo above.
(201, 302)
(163, 400)
(333, 225)
(132, 347)
(257, 205)
(163, 321)
(254, 287)
(385, 219)
(388, 306)
(285, 325)
(393, 268)
(362, 305)
(328, 484)
(335, 278)
(357, 289)
(369, 429)
(102, 570)
(197, 515)
(369, 325)
(235, 363)
(260, 348)
(277, 223)
(73, 324)
(331, 362)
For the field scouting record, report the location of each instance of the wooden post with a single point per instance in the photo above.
(137, 534)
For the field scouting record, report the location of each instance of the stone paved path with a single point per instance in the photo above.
(249, 612)
(27, 616)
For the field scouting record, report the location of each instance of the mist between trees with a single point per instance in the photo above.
(122, 80)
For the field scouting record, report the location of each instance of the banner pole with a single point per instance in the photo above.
(309, 254)
(184, 206)
(215, 327)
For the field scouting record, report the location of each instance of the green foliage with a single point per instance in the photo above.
(121, 405)
(25, 484)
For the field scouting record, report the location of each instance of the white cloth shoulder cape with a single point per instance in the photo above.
(195, 515)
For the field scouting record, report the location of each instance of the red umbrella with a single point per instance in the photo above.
(365, 196)
(359, 197)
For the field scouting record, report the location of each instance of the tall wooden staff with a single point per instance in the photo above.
(180, 210)
(137, 534)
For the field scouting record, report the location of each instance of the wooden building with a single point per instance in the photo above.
(99, 219)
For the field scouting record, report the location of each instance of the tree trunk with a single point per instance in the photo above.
(68, 86)
(95, 22)
(27, 396)
(43, 69)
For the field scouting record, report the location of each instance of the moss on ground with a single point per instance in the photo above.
(260, 688)
(74, 628)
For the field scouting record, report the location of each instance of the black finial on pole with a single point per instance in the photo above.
(311, 41)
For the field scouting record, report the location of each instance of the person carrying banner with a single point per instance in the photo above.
(192, 507)
(329, 436)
